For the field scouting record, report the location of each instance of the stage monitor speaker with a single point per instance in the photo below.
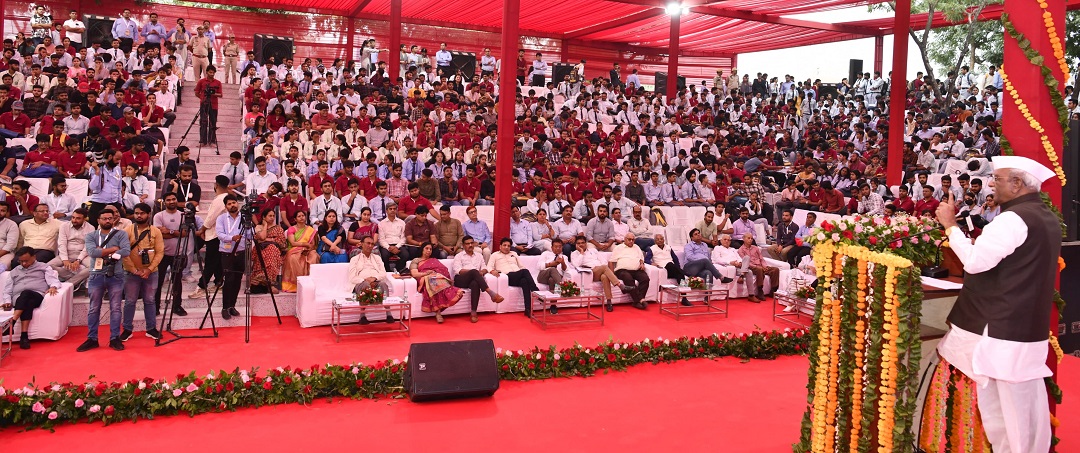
(559, 71)
(1068, 328)
(854, 70)
(464, 62)
(266, 46)
(660, 83)
(98, 29)
(827, 89)
(1070, 194)
(451, 369)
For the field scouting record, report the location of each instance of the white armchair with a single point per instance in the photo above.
(52, 318)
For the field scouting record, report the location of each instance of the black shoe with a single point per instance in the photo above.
(24, 341)
(628, 288)
(608, 307)
(684, 302)
(725, 280)
(233, 311)
(225, 314)
(153, 333)
(363, 321)
(553, 310)
(88, 345)
(640, 305)
(116, 344)
(125, 335)
(179, 311)
(390, 319)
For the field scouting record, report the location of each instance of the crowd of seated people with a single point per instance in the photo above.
(341, 152)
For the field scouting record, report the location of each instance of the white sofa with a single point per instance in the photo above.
(52, 318)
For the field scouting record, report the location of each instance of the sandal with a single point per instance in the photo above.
(474, 318)
(438, 318)
(497, 299)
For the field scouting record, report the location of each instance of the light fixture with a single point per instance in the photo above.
(676, 9)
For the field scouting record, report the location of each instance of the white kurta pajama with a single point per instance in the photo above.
(1011, 392)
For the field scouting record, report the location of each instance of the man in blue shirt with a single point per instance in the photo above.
(443, 58)
(105, 184)
(125, 29)
(698, 260)
(107, 247)
(478, 230)
(153, 32)
(521, 234)
(231, 247)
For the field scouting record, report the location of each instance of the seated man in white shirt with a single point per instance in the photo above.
(663, 258)
(724, 255)
(585, 259)
(470, 268)
(392, 239)
(505, 261)
(553, 266)
(629, 265)
(366, 270)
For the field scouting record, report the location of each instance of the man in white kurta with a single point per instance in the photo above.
(1000, 324)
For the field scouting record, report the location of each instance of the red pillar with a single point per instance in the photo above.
(879, 53)
(1027, 80)
(673, 57)
(504, 150)
(349, 38)
(395, 39)
(898, 92)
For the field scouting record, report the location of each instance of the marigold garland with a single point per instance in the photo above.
(1055, 40)
(1048, 146)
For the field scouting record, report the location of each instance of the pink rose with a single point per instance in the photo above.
(926, 238)
(53, 415)
(94, 409)
(192, 387)
(858, 229)
(177, 392)
(915, 240)
(39, 408)
(79, 403)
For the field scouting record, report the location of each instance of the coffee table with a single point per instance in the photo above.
(393, 306)
(703, 302)
(584, 308)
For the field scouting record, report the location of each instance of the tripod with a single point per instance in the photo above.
(204, 105)
(247, 234)
(174, 283)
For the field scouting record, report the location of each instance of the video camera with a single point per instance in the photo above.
(252, 205)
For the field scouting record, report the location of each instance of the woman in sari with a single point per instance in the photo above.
(332, 240)
(361, 229)
(271, 237)
(437, 290)
(301, 254)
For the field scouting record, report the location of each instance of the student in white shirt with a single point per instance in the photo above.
(469, 274)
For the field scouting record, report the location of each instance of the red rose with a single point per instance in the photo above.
(98, 392)
(47, 402)
(288, 380)
(701, 350)
(611, 357)
(229, 386)
(532, 366)
(12, 399)
(307, 389)
(218, 388)
(873, 240)
(848, 234)
(267, 386)
(137, 393)
(591, 360)
(828, 226)
(247, 384)
(580, 362)
(199, 382)
(359, 382)
(506, 367)
(221, 406)
(208, 390)
(109, 410)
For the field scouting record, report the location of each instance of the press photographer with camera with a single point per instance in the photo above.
(141, 266)
(208, 90)
(171, 221)
(231, 246)
(107, 247)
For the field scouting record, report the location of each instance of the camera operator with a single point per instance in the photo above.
(231, 247)
(208, 90)
(142, 271)
(169, 222)
(185, 187)
(107, 246)
(106, 181)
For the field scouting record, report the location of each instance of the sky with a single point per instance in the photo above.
(828, 62)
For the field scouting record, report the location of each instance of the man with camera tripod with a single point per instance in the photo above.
(231, 246)
(208, 90)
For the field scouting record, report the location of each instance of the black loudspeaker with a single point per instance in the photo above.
(464, 62)
(98, 29)
(854, 70)
(451, 369)
(1070, 194)
(661, 83)
(267, 46)
(559, 71)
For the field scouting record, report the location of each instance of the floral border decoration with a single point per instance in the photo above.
(109, 402)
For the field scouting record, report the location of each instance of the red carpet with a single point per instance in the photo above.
(699, 405)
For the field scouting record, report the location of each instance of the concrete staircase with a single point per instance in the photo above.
(230, 128)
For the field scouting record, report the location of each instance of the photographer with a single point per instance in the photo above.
(141, 266)
(105, 185)
(169, 223)
(231, 248)
(107, 247)
(208, 90)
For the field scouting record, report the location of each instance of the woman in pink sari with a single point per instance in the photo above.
(301, 254)
(437, 290)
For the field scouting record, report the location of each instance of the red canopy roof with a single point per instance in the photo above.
(715, 28)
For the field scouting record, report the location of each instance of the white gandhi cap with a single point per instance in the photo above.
(1034, 168)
